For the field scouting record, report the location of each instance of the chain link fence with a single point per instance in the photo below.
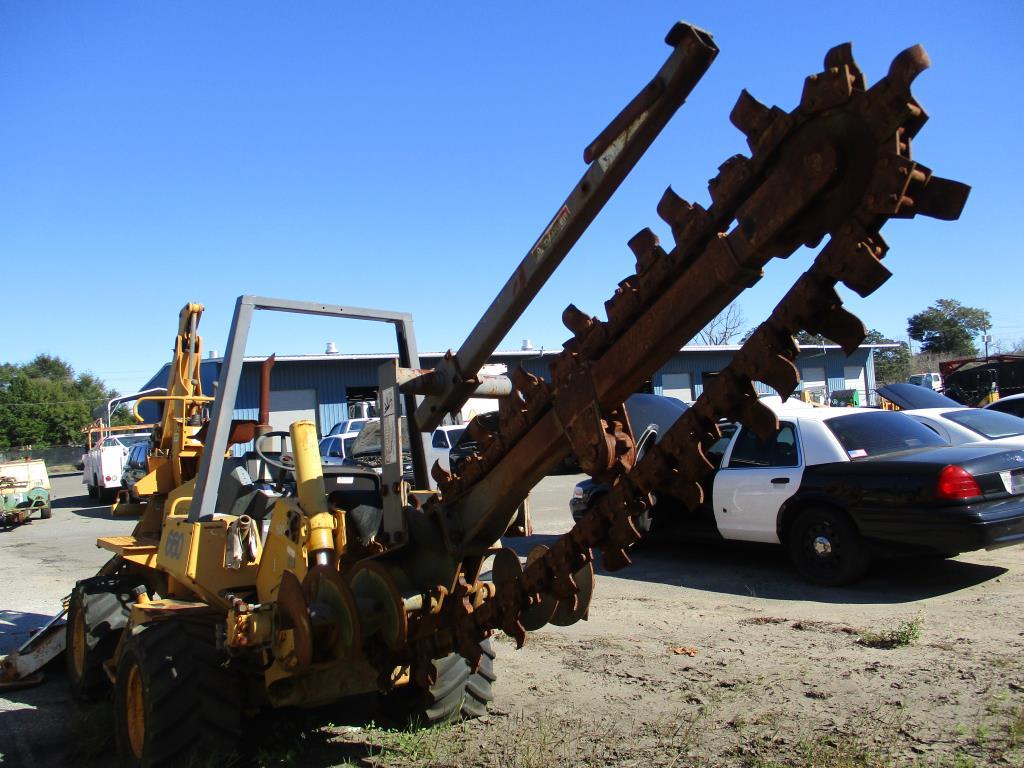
(57, 457)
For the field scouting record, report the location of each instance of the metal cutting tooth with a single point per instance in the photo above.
(751, 117)
(842, 56)
(646, 249)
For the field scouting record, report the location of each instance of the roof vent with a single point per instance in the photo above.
(212, 354)
(527, 345)
(332, 348)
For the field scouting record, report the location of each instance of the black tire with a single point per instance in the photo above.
(107, 495)
(826, 547)
(190, 703)
(457, 692)
(93, 491)
(97, 615)
(45, 513)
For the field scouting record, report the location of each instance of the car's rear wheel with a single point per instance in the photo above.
(826, 547)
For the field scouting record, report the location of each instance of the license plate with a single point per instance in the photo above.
(1013, 480)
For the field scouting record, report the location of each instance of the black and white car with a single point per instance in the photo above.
(838, 486)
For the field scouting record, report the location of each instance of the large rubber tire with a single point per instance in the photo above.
(45, 513)
(175, 702)
(97, 615)
(93, 491)
(826, 547)
(456, 693)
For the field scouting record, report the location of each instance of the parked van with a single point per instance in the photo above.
(930, 380)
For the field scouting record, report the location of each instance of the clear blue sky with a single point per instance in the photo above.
(405, 157)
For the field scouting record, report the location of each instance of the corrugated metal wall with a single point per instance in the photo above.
(698, 362)
(332, 378)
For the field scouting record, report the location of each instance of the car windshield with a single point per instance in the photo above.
(129, 440)
(988, 424)
(877, 433)
(454, 435)
(348, 442)
(367, 442)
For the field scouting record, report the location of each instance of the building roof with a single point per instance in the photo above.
(696, 348)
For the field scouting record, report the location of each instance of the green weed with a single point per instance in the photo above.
(904, 633)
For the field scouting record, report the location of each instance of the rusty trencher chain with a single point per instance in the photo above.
(837, 166)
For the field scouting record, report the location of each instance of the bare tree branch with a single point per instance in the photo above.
(724, 327)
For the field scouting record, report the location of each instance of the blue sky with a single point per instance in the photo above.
(406, 156)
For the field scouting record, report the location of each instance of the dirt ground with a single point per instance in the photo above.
(696, 655)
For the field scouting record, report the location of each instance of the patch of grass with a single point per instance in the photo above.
(906, 632)
(1015, 729)
(436, 745)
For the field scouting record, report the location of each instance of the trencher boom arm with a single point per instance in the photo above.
(838, 166)
(610, 158)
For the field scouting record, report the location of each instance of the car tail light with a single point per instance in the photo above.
(108, 478)
(956, 483)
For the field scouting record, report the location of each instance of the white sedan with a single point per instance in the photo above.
(958, 426)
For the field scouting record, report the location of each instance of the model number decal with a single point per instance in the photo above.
(175, 541)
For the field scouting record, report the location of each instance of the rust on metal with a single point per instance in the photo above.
(834, 169)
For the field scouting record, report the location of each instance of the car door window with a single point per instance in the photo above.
(779, 451)
(440, 440)
(717, 450)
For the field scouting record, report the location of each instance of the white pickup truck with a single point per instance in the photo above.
(103, 465)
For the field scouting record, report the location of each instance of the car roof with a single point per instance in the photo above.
(820, 414)
(338, 434)
(449, 427)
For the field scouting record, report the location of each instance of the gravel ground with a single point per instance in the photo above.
(695, 655)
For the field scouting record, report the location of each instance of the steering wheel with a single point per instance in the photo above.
(285, 463)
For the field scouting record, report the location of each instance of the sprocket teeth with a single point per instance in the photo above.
(751, 117)
(938, 198)
(842, 56)
(907, 65)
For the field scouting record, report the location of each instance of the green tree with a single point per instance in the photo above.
(948, 327)
(891, 365)
(43, 402)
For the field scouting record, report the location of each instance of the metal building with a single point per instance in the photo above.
(323, 387)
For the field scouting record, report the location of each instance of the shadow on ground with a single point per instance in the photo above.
(83, 506)
(756, 570)
(42, 727)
